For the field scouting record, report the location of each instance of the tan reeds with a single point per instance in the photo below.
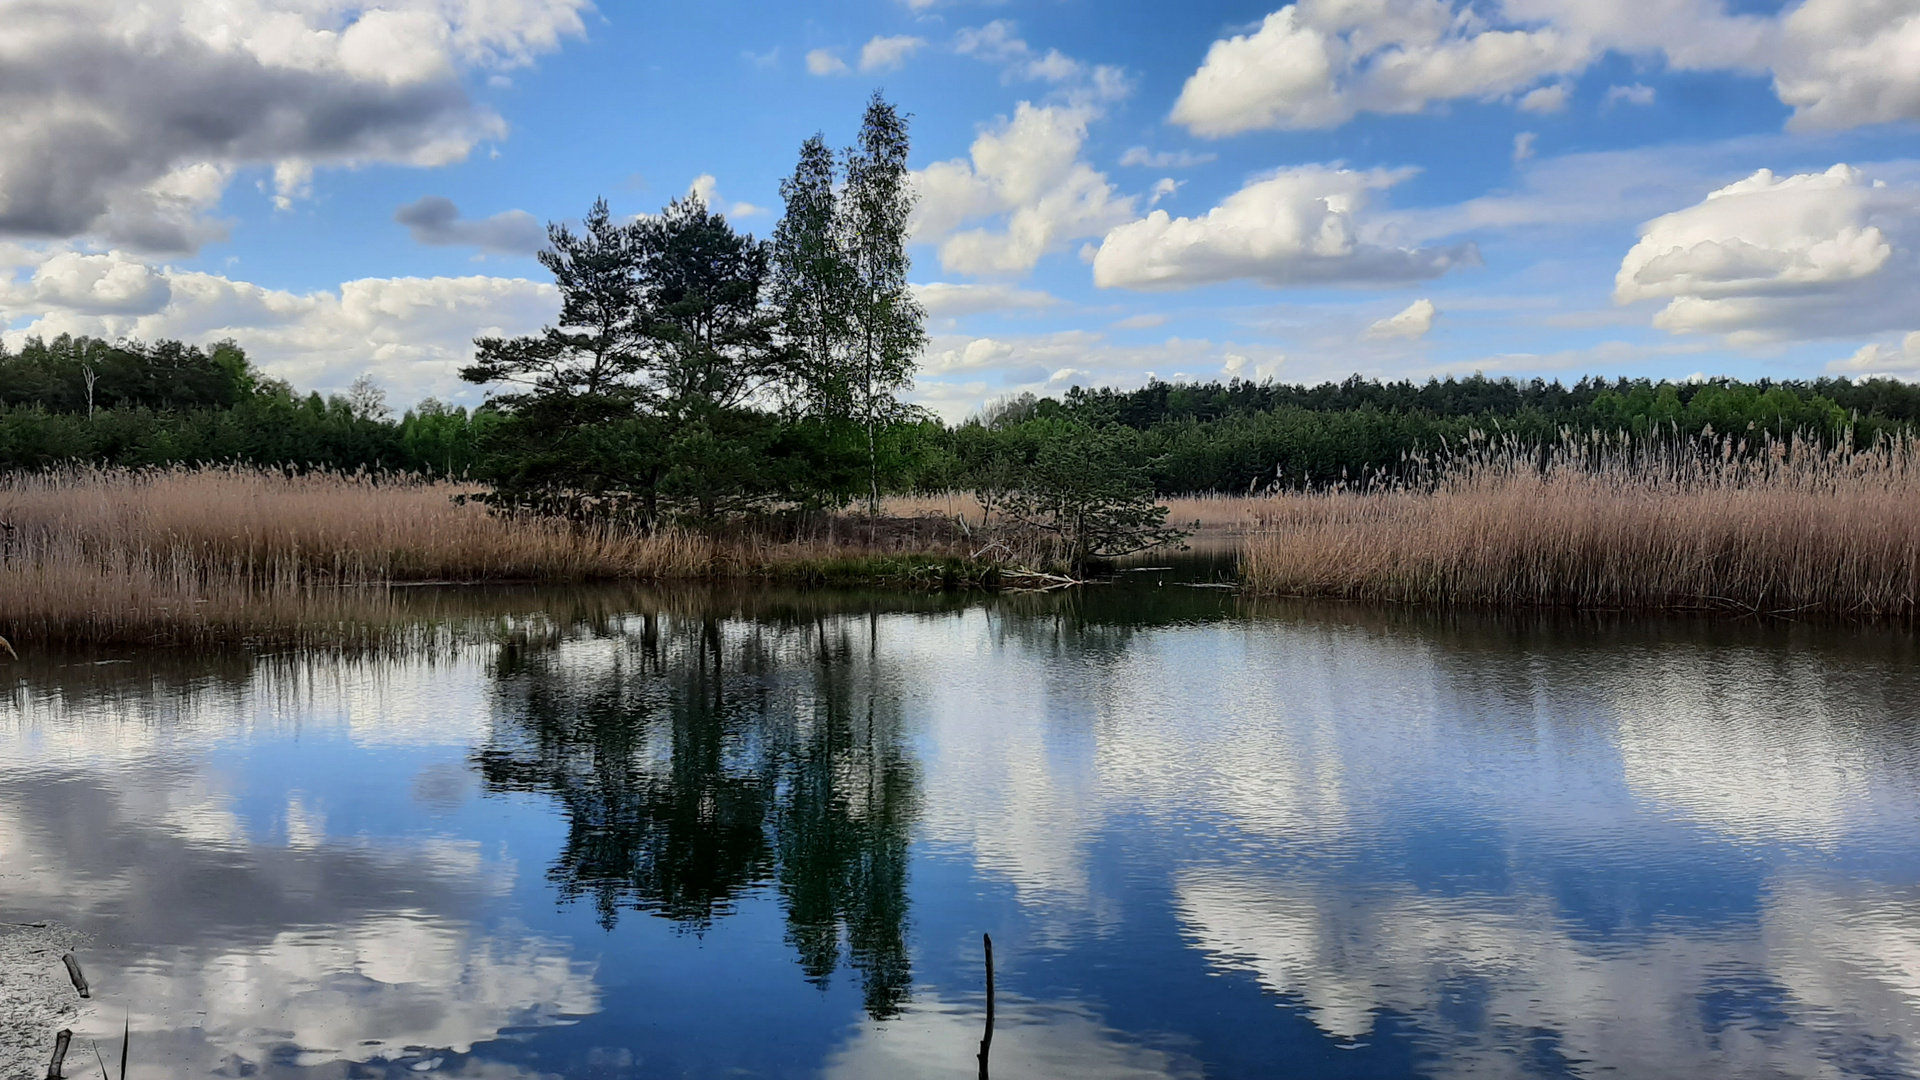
(98, 556)
(1595, 523)
(244, 554)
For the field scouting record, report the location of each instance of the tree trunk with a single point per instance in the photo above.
(873, 453)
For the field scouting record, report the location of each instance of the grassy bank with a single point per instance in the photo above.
(1794, 529)
(180, 556)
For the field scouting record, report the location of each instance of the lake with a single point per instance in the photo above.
(628, 833)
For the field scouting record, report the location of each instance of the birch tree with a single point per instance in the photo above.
(886, 323)
(840, 278)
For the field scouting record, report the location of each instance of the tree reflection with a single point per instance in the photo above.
(698, 759)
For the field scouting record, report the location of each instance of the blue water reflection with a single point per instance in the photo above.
(667, 835)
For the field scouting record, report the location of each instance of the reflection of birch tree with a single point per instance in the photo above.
(696, 760)
(843, 830)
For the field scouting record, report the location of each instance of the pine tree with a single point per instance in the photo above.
(700, 294)
(599, 344)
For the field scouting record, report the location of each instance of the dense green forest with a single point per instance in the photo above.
(171, 403)
(84, 401)
(696, 373)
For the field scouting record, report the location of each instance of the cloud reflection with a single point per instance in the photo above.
(937, 1039)
(387, 986)
(233, 943)
(1484, 981)
(1482, 837)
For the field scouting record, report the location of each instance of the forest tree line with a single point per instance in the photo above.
(170, 403)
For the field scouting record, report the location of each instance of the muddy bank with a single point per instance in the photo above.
(37, 997)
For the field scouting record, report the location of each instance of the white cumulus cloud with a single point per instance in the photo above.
(98, 285)
(1165, 159)
(1849, 62)
(1025, 177)
(1297, 226)
(1545, 99)
(889, 53)
(1876, 358)
(943, 299)
(413, 334)
(1318, 63)
(1772, 256)
(997, 43)
(960, 371)
(1637, 94)
(125, 121)
(707, 190)
(826, 62)
(1412, 323)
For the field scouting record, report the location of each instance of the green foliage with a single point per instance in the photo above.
(644, 391)
(699, 372)
(587, 363)
(885, 321)
(168, 375)
(1244, 437)
(840, 281)
(812, 282)
(266, 425)
(710, 340)
(1083, 488)
(440, 440)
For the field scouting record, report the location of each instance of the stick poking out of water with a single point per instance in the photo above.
(986, 1040)
(73, 972)
(60, 1042)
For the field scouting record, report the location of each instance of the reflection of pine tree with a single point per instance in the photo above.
(692, 768)
(677, 837)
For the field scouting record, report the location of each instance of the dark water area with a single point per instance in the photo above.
(637, 834)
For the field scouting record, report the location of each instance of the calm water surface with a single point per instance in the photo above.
(688, 835)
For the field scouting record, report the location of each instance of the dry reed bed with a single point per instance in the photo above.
(241, 554)
(1792, 528)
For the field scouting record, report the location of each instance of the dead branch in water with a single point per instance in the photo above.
(60, 1043)
(986, 1039)
(73, 972)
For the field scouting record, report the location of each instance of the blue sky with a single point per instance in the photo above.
(1109, 191)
